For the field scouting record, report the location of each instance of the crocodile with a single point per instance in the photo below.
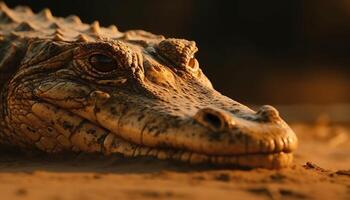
(67, 86)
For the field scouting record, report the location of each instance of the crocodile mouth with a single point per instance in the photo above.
(97, 134)
(112, 143)
(91, 136)
(273, 160)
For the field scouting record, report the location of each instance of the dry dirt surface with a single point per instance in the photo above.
(321, 171)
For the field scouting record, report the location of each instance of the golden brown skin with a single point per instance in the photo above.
(69, 86)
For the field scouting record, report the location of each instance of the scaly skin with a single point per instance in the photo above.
(69, 86)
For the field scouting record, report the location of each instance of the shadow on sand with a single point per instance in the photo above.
(27, 162)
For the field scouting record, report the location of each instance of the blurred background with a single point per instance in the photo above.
(275, 52)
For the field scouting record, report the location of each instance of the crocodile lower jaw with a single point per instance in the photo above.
(275, 160)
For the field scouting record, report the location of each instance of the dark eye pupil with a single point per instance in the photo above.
(103, 63)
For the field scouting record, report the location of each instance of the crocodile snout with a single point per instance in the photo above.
(219, 120)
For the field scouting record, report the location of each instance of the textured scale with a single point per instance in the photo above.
(141, 95)
(21, 21)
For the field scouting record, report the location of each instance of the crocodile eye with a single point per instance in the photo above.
(103, 63)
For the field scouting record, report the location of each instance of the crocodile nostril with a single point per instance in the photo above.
(214, 119)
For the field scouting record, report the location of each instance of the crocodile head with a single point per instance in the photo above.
(139, 95)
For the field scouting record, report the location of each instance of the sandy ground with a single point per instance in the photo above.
(321, 171)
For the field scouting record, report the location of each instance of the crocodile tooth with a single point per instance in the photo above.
(292, 144)
(107, 143)
(198, 158)
(279, 145)
(152, 152)
(144, 151)
(270, 145)
(162, 155)
(185, 156)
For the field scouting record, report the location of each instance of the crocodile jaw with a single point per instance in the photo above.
(134, 126)
(247, 143)
(110, 142)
